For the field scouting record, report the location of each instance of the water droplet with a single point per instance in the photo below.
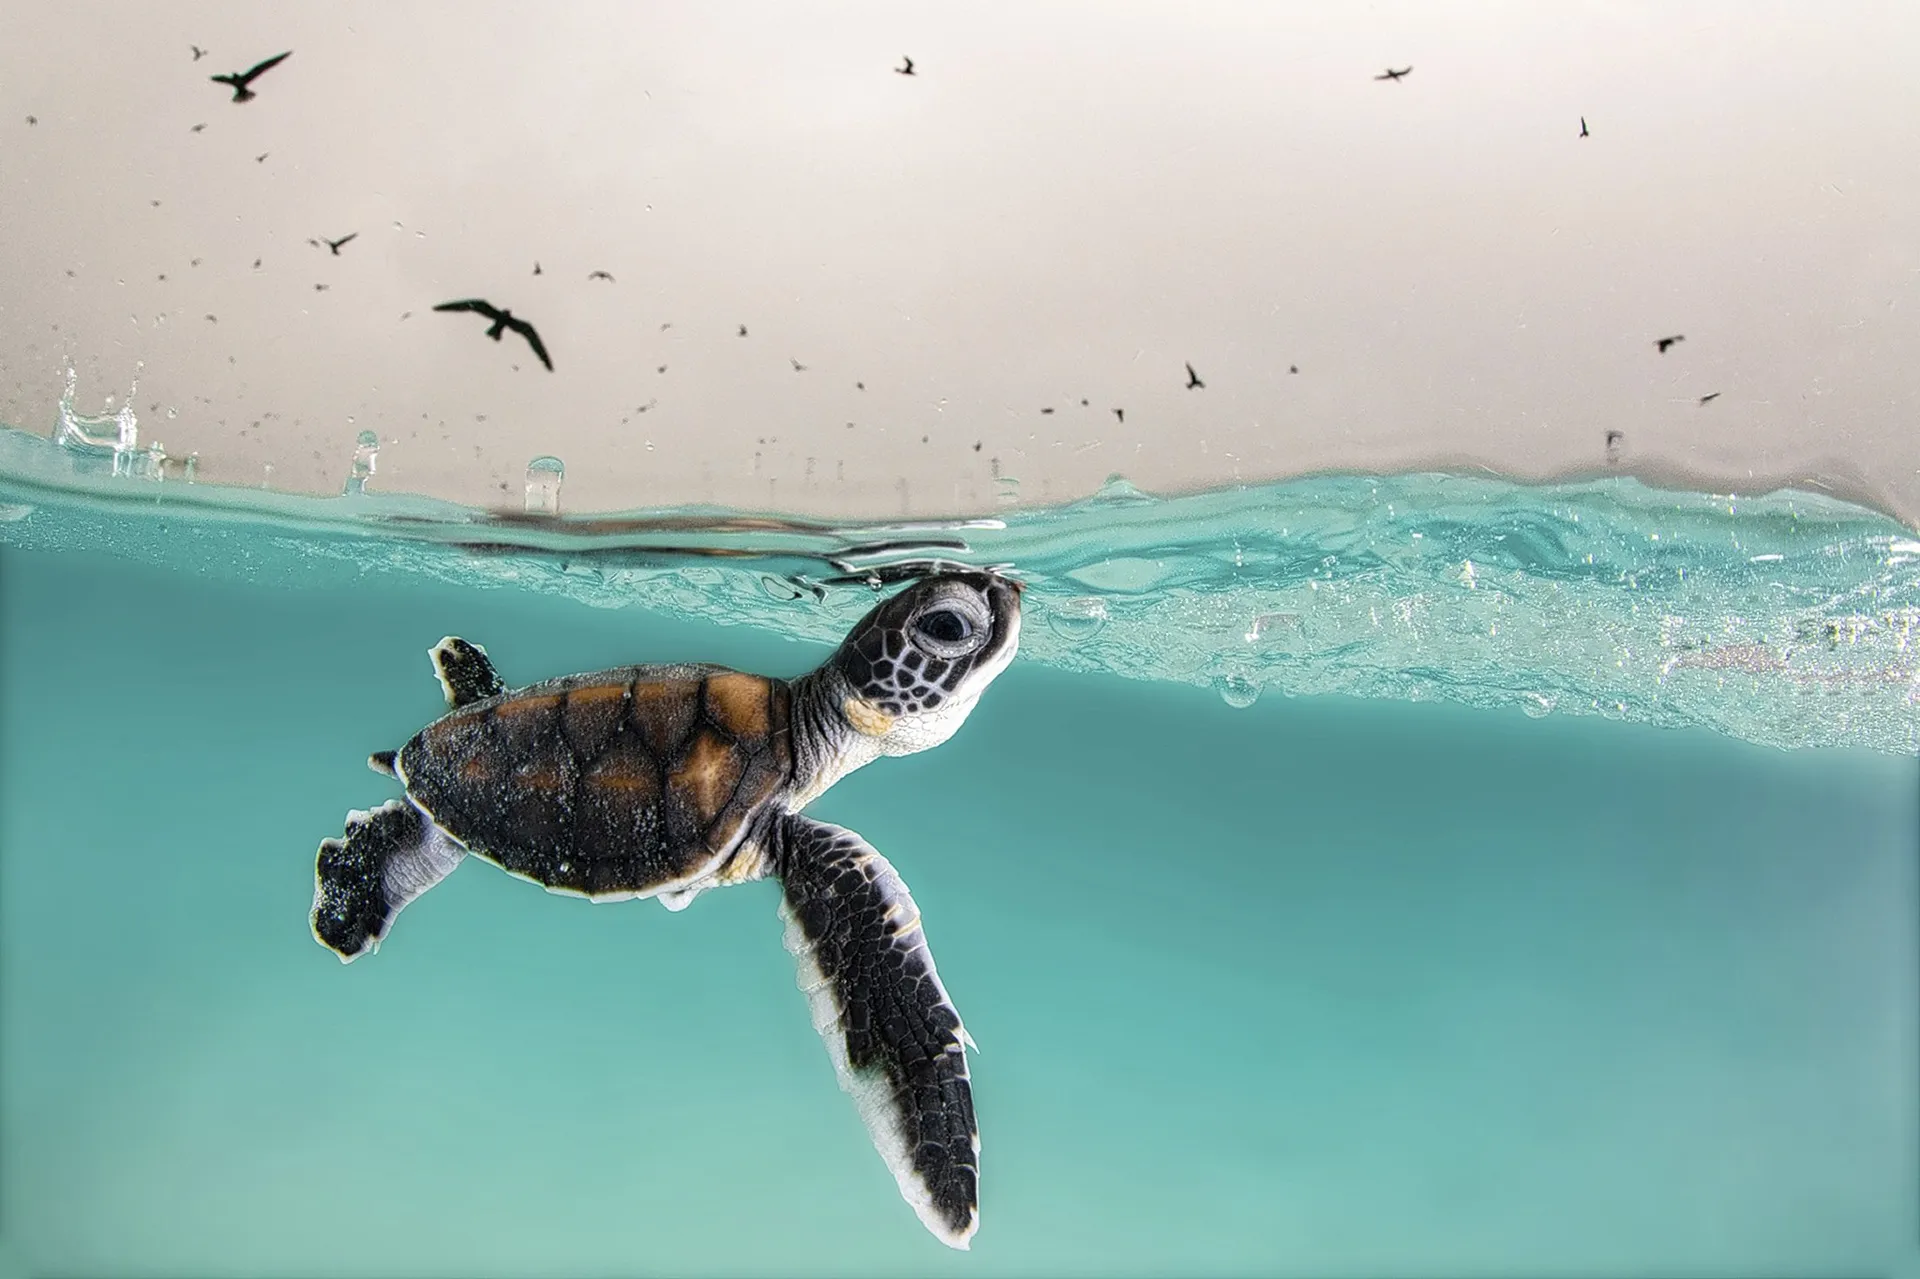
(366, 458)
(1078, 619)
(1237, 691)
(544, 475)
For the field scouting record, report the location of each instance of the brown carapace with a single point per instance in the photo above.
(609, 784)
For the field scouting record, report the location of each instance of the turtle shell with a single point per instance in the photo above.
(618, 783)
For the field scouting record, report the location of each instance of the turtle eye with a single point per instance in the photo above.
(945, 626)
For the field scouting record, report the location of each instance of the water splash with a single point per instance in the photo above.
(1788, 619)
(366, 460)
(544, 477)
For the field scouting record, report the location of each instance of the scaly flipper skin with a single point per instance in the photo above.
(389, 857)
(466, 672)
(895, 1038)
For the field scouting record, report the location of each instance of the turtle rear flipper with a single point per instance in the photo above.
(895, 1038)
(465, 671)
(389, 857)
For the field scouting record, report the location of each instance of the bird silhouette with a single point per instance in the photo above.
(797, 366)
(242, 81)
(1391, 74)
(1120, 414)
(1614, 440)
(743, 330)
(600, 275)
(502, 321)
(1710, 398)
(1583, 127)
(196, 128)
(335, 244)
(1661, 344)
(198, 52)
(537, 270)
(1193, 380)
(906, 70)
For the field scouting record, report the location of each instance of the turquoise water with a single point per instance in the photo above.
(1319, 984)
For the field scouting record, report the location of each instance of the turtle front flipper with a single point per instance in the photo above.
(465, 671)
(389, 857)
(895, 1038)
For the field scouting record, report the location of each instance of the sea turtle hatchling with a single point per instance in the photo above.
(665, 781)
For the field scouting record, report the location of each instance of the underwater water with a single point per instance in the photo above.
(1336, 983)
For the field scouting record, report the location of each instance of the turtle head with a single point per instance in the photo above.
(916, 664)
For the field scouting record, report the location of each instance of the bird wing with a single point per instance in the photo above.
(471, 304)
(525, 330)
(343, 239)
(233, 79)
(268, 65)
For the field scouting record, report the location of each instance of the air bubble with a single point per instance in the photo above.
(1274, 630)
(366, 457)
(1537, 705)
(544, 475)
(1237, 691)
(1078, 619)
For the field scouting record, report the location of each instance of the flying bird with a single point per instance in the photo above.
(1661, 344)
(1614, 440)
(537, 270)
(1391, 74)
(242, 81)
(198, 52)
(797, 366)
(600, 275)
(1710, 398)
(502, 321)
(906, 70)
(1193, 380)
(196, 128)
(335, 244)
(1121, 414)
(743, 330)
(1583, 127)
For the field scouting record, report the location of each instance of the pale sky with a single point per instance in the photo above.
(1065, 201)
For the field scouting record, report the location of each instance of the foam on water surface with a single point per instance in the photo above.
(1788, 619)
